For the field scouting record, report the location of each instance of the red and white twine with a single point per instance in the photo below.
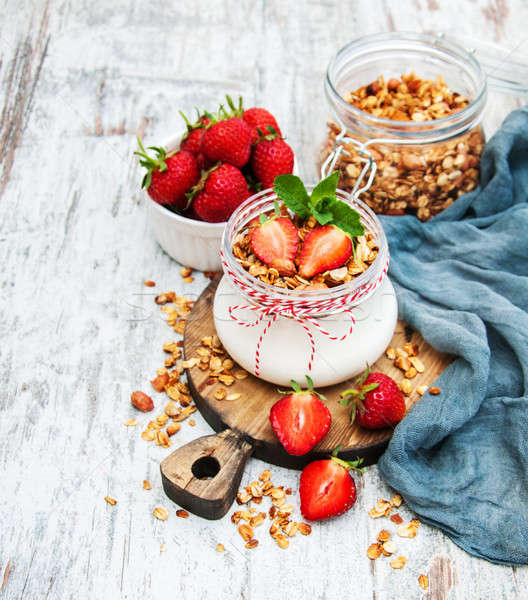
(302, 310)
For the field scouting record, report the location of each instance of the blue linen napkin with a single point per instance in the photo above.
(460, 459)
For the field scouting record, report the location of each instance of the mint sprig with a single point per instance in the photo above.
(322, 203)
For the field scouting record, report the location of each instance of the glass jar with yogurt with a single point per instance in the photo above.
(418, 100)
(283, 334)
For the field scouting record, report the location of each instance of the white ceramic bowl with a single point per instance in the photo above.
(192, 243)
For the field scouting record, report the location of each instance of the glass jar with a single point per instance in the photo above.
(310, 333)
(423, 166)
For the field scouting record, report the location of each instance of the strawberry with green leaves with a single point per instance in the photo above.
(326, 487)
(330, 245)
(227, 137)
(260, 119)
(377, 401)
(219, 192)
(169, 176)
(300, 420)
(192, 139)
(271, 156)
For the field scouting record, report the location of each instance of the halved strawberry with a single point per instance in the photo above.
(300, 420)
(324, 248)
(326, 488)
(275, 242)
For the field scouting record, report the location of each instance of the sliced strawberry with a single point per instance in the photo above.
(324, 248)
(300, 420)
(276, 240)
(327, 489)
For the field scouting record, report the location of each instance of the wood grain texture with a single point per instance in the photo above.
(249, 415)
(80, 332)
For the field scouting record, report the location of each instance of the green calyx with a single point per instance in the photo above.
(272, 135)
(298, 390)
(264, 218)
(357, 395)
(349, 465)
(198, 124)
(152, 164)
(224, 114)
(322, 203)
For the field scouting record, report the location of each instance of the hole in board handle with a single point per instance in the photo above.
(206, 467)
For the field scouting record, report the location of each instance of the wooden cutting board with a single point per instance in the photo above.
(203, 476)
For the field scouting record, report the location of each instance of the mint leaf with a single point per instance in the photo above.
(290, 189)
(325, 188)
(346, 218)
(322, 211)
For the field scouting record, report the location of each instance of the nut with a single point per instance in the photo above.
(252, 543)
(417, 364)
(146, 485)
(161, 513)
(423, 581)
(159, 382)
(182, 513)
(141, 401)
(304, 528)
(398, 563)
(395, 518)
(421, 389)
(374, 551)
(390, 353)
(402, 363)
(434, 391)
(246, 531)
(411, 349)
(411, 373)
(406, 387)
(172, 429)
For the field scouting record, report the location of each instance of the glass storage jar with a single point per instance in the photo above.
(329, 334)
(423, 166)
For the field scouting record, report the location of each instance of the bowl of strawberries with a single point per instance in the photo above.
(197, 179)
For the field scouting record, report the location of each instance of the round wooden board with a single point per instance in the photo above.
(249, 415)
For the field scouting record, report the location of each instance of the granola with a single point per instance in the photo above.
(420, 180)
(365, 251)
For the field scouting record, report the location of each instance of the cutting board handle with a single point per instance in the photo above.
(203, 476)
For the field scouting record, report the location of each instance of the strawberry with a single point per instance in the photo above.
(378, 401)
(191, 140)
(326, 487)
(275, 242)
(300, 420)
(227, 140)
(218, 193)
(169, 176)
(260, 118)
(271, 157)
(324, 248)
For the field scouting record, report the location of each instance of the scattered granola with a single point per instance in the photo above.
(398, 563)
(280, 513)
(110, 500)
(131, 422)
(220, 547)
(182, 513)
(423, 581)
(417, 180)
(434, 391)
(150, 283)
(146, 484)
(160, 513)
(396, 518)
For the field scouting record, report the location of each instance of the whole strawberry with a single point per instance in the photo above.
(378, 401)
(300, 420)
(219, 192)
(271, 157)
(260, 119)
(326, 487)
(169, 176)
(192, 139)
(227, 140)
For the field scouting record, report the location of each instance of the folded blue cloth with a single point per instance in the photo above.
(460, 459)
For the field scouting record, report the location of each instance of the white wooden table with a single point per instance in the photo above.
(80, 331)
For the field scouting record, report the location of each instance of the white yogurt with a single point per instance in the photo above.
(285, 349)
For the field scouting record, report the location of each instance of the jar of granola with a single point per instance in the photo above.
(329, 332)
(417, 100)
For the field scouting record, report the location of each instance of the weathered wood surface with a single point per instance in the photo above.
(80, 332)
(249, 415)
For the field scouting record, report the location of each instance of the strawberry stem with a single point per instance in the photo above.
(349, 465)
